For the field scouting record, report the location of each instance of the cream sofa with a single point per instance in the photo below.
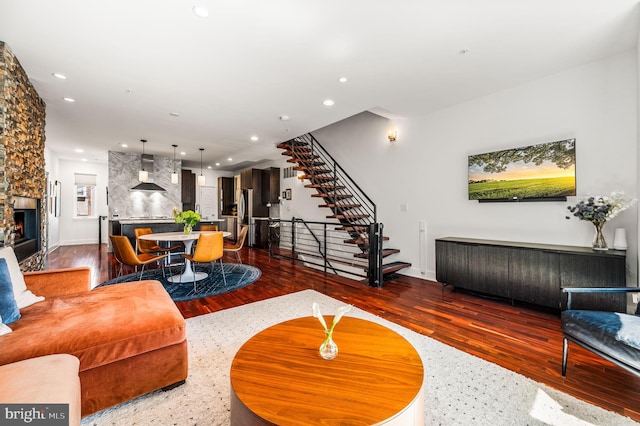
(50, 379)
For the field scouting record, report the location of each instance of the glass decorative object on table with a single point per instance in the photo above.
(598, 210)
(599, 243)
(329, 349)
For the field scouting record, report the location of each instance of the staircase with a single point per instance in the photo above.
(353, 210)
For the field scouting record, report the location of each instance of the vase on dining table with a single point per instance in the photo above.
(599, 243)
(328, 349)
(188, 229)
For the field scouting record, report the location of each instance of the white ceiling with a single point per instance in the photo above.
(130, 63)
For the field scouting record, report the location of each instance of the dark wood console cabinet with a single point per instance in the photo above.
(532, 273)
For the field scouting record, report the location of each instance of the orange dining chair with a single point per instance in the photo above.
(208, 250)
(152, 247)
(235, 248)
(207, 228)
(126, 255)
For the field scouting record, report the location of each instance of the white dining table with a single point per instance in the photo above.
(188, 275)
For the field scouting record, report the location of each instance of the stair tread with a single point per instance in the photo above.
(331, 195)
(302, 155)
(315, 170)
(361, 240)
(351, 228)
(316, 177)
(297, 148)
(306, 161)
(324, 186)
(348, 216)
(385, 253)
(340, 206)
(289, 143)
(392, 267)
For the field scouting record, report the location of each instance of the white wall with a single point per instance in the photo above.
(64, 229)
(81, 230)
(53, 228)
(426, 168)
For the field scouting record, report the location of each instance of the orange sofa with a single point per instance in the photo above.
(130, 338)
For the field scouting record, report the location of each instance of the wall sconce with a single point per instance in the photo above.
(392, 135)
(174, 176)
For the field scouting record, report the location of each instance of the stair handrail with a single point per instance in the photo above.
(336, 166)
(324, 242)
(320, 244)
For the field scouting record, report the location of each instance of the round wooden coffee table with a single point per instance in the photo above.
(278, 376)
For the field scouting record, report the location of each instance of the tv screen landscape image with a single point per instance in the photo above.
(537, 172)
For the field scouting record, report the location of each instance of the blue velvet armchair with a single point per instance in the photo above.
(612, 335)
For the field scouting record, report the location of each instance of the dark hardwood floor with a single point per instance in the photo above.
(521, 338)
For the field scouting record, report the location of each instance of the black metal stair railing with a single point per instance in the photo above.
(316, 244)
(350, 205)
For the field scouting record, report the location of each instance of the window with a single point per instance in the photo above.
(85, 194)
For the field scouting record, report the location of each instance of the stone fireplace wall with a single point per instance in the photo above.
(22, 137)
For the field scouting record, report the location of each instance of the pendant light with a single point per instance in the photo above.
(143, 175)
(174, 175)
(201, 178)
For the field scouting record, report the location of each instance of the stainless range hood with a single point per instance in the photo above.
(147, 164)
(147, 186)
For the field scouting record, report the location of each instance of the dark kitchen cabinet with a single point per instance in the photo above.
(225, 196)
(533, 273)
(252, 179)
(271, 185)
(188, 190)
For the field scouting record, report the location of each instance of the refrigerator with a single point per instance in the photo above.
(245, 215)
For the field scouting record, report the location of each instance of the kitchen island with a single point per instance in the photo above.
(127, 226)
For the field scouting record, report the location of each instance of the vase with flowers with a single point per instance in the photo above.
(329, 349)
(188, 218)
(598, 210)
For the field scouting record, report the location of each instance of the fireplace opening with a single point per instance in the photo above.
(26, 234)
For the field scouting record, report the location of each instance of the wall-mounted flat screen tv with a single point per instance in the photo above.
(541, 172)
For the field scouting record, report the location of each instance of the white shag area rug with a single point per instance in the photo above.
(460, 389)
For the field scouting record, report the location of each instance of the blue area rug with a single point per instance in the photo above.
(237, 276)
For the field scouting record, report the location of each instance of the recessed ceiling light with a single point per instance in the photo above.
(183, 153)
(254, 138)
(200, 11)
(59, 75)
(284, 117)
(69, 99)
(229, 159)
(209, 167)
(79, 150)
(328, 102)
(217, 164)
(343, 79)
(124, 145)
(84, 159)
